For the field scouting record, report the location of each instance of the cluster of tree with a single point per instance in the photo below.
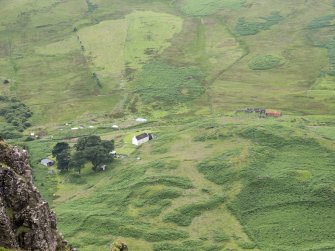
(88, 149)
(16, 115)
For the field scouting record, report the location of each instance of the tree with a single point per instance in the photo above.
(95, 150)
(63, 159)
(77, 161)
(62, 153)
(59, 147)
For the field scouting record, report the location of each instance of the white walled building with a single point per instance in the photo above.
(142, 138)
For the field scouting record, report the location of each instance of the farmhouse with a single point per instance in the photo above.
(142, 138)
(47, 162)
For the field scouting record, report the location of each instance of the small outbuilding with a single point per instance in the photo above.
(47, 162)
(142, 138)
(271, 113)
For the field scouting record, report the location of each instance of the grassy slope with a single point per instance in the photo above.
(266, 177)
(232, 182)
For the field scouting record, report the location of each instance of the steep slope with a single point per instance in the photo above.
(215, 177)
(25, 219)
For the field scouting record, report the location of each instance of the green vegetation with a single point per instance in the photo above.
(63, 155)
(89, 148)
(129, 185)
(5, 249)
(220, 237)
(163, 86)
(321, 35)
(185, 246)
(274, 186)
(214, 177)
(16, 114)
(321, 22)
(265, 171)
(148, 35)
(126, 45)
(207, 7)
(183, 216)
(93, 149)
(246, 28)
(220, 169)
(264, 62)
(90, 6)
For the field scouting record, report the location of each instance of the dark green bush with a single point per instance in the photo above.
(264, 62)
(245, 28)
(321, 22)
(15, 113)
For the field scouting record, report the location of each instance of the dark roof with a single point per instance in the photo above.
(142, 136)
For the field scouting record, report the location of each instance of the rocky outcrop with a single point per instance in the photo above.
(26, 222)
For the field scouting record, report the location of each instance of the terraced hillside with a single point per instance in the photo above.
(215, 177)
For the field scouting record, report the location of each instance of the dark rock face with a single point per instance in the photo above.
(26, 221)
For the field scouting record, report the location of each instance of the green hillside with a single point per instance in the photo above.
(214, 177)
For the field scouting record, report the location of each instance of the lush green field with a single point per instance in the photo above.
(215, 177)
(218, 184)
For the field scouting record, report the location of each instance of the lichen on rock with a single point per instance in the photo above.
(26, 221)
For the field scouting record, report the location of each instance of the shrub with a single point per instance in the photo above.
(9, 132)
(245, 28)
(321, 22)
(15, 113)
(264, 62)
(323, 39)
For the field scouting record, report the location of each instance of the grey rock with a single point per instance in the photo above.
(26, 221)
